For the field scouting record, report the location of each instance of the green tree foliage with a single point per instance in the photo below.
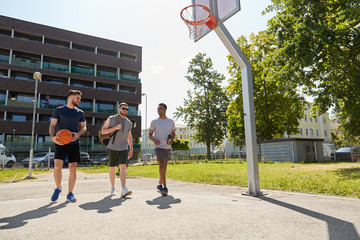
(204, 110)
(318, 47)
(278, 106)
(182, 145)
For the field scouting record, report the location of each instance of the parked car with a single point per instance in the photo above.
(84, 157)
(344, 154)
(40, 159)
(100, 159)
(6, 159)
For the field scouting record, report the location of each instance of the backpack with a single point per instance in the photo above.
(105, 138)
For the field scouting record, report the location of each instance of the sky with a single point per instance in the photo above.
(154, 25)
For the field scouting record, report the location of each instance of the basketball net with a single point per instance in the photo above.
(196, 17)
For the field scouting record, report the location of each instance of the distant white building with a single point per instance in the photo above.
(183, 132)
(317, 128)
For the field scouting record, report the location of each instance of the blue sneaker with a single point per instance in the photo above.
(164, 191)
(159, 187)
(55, 195)
(70, 197)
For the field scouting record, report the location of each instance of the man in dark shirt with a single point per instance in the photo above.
(72, 118)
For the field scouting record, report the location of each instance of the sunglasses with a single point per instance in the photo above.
(126, 109)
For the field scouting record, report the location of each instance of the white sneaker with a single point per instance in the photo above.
(113, 191)
(125, 192)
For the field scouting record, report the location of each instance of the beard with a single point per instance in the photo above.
(76, 104)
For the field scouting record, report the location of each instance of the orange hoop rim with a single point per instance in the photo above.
(198, 22)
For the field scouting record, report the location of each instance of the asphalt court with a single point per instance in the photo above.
(190, 211)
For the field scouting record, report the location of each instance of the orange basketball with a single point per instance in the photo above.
(64, 136)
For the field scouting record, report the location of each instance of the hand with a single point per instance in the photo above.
(156, 142)
(130, 153)
(75, 136)
(170, 142)
(118, 127)
(55, 140)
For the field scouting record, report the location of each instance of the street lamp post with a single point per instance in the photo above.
(37, 77)
(144, 142)
(87, 143)
(12, 143)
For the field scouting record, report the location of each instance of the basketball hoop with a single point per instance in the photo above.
(196, 17)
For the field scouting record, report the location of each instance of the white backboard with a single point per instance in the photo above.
(221, 9)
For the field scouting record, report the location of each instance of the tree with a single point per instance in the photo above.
(278, 106)
(178, 144)
(318, 47)
(204, 110)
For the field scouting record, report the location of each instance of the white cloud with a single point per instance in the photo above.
(157, 68)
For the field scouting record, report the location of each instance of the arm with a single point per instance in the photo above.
(156, 142)
(130, 142)
(52, 132)
(107, 130)
(81, 132)
(172, 137)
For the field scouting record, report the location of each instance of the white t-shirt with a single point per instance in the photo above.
(162, 128)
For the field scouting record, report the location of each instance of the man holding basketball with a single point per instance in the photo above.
(120, 147)
(72, 118)
(163, 129)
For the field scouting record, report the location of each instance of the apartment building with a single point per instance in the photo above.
(317, 127)
(105, 71)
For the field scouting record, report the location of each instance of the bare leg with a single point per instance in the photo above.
(123, 174)
(58, 172)
(112, 175)
(72, 176)
(162, 171)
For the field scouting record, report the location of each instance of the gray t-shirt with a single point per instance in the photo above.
(121, 137)
(162, 128)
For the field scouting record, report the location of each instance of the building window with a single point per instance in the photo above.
(126, 89)
(57, 42)
(307, 132)
(19, 118)
(107, 52)
(305, 118)
(312, 132)
(301, 132)
(83, 47)
(317, 132)
(310, 119)
(127, 57)
(26, 36)
(325, 133)
(324, 121)
(315, 119)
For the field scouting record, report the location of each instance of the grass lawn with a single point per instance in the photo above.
(325, 178)
(14, 175)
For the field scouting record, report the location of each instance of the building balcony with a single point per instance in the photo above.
(129, 78)
(4, 59)
(15, 103)
(25, 62)
(55, 67)
(106, 110)
(106, 74)
(134, 113)
(82, 71)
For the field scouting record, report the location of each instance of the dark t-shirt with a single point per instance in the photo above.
(69, 119)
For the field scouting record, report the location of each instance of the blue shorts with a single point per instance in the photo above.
(163, 154)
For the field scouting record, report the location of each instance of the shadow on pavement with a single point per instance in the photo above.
(20, 220)
(104, 205)
(164, 202)
(337, 228)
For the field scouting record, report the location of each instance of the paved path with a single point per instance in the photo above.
(190, 211)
